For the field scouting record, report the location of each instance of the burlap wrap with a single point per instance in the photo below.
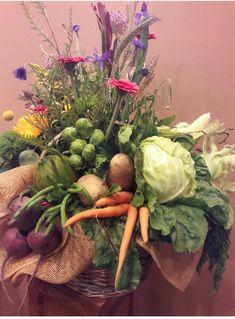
(76, 252)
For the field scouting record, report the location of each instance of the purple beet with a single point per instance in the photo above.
(27, 220)
(15, 243)
(43, 244)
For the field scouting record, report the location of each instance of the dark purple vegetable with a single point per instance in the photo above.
(28, 219)
(43, 244)
(15, 243)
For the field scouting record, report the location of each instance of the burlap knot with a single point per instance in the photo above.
(77, 251)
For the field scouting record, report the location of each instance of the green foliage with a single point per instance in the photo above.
(186, 226)
(11, 145)
(215, 252)
(107, 236)
(213, 202)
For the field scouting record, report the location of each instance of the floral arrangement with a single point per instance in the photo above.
(104, 159)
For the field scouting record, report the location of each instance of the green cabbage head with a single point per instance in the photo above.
(164, 171)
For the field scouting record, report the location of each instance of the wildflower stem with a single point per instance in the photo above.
(116, 110)
(40, 6)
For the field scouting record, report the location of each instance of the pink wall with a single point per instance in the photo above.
(196, 44)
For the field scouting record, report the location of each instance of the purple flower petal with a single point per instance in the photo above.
(144, 7)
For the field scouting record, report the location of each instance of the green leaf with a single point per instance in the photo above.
(201, 168)
(108, 238)
(163, 219)
(112, 190)
(213, 202)
(190, 230)
(167, 121)
(124, 138)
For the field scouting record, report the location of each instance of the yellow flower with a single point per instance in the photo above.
(8, 115)
(30, 126)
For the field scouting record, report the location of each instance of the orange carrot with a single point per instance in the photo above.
(115, 199)
(128, 231)
(111, 211)
(144, 222)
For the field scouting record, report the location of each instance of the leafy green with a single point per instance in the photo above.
(108, 238)
(215, 251)
(202, 171)
(167, 120)
(11, 145)
(186, 226)
(213, 202)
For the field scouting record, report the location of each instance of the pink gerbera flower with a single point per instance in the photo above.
(124, 85)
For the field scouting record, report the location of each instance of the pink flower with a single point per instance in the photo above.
(40, 109)
(152, 36)
(70, 63)
(71, 60)
(124, 85)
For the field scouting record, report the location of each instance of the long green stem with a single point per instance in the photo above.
(116, 110)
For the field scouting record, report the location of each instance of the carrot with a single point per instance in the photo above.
(144, 222)
(112, 211)
(115, 199)
(128, 231)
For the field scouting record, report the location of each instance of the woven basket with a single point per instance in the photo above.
(95, 282)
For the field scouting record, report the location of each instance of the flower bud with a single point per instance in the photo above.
(8, 115)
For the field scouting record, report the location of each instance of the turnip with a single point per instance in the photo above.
(44, 244)
(28, 219)
(94, 185)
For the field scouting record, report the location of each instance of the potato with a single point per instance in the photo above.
(121, 171)
(94, 185)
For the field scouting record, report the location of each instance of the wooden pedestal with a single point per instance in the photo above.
(58, 300)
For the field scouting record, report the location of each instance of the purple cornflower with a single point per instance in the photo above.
(144, 72)
(119, 22)
(96, 58)
(76, 28)
(20, 73)
(137, 43)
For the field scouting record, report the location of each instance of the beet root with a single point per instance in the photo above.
(15, 243)
(27, 220)
(43, 244)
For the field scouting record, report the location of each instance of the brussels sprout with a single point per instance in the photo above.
(88, 152)
(76, 161)
(84, 127)
(77, 146)
(97, 137)
(69, 134)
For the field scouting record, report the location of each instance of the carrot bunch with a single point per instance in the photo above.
(117, 205)
(112, 206)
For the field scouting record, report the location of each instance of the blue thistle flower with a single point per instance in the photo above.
(20, 73)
